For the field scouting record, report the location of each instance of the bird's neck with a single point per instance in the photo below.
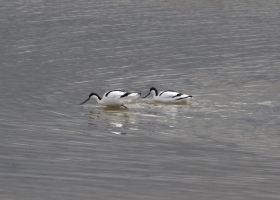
(97, 98)
(154, 93)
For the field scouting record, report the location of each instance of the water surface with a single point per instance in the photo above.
(224, 144)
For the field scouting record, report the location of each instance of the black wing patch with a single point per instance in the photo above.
(112, 91)
(108, 93)
(178, 95)
(125, 94)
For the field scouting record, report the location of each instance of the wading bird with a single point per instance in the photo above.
(114, 98)
(168, 96)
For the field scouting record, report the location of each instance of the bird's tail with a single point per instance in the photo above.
(183, 97)
(131, 97)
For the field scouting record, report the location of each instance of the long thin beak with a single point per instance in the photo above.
(146, 95)
(85, 101)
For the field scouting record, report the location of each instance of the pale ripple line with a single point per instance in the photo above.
(57, 113)
(75, 142)
(84, 81)
(22, 144)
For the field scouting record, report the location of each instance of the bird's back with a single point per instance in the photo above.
(118, 97)
(128, 97)
(171, 96)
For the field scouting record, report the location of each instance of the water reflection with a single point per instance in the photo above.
(172, 118)
(143, 118)
(224, 52)
(116, 120)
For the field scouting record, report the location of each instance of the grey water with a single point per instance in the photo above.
(223, 144)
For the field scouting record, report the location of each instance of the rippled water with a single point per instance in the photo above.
(224, 144)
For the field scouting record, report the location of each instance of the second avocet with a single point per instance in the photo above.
(168, 96)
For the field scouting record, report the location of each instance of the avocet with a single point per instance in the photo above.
(114, 98)
(168, 96)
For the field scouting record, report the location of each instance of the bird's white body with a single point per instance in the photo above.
(114, 98)
(117, 98)
(168, 96)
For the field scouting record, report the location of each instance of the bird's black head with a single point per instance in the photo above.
(94, 94)
(152, 89)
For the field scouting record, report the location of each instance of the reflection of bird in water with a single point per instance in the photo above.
(168, 96)
(112, 115)
(113, 98)
(115, 120)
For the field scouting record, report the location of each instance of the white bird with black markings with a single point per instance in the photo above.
(168, 96)
(114, 98)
